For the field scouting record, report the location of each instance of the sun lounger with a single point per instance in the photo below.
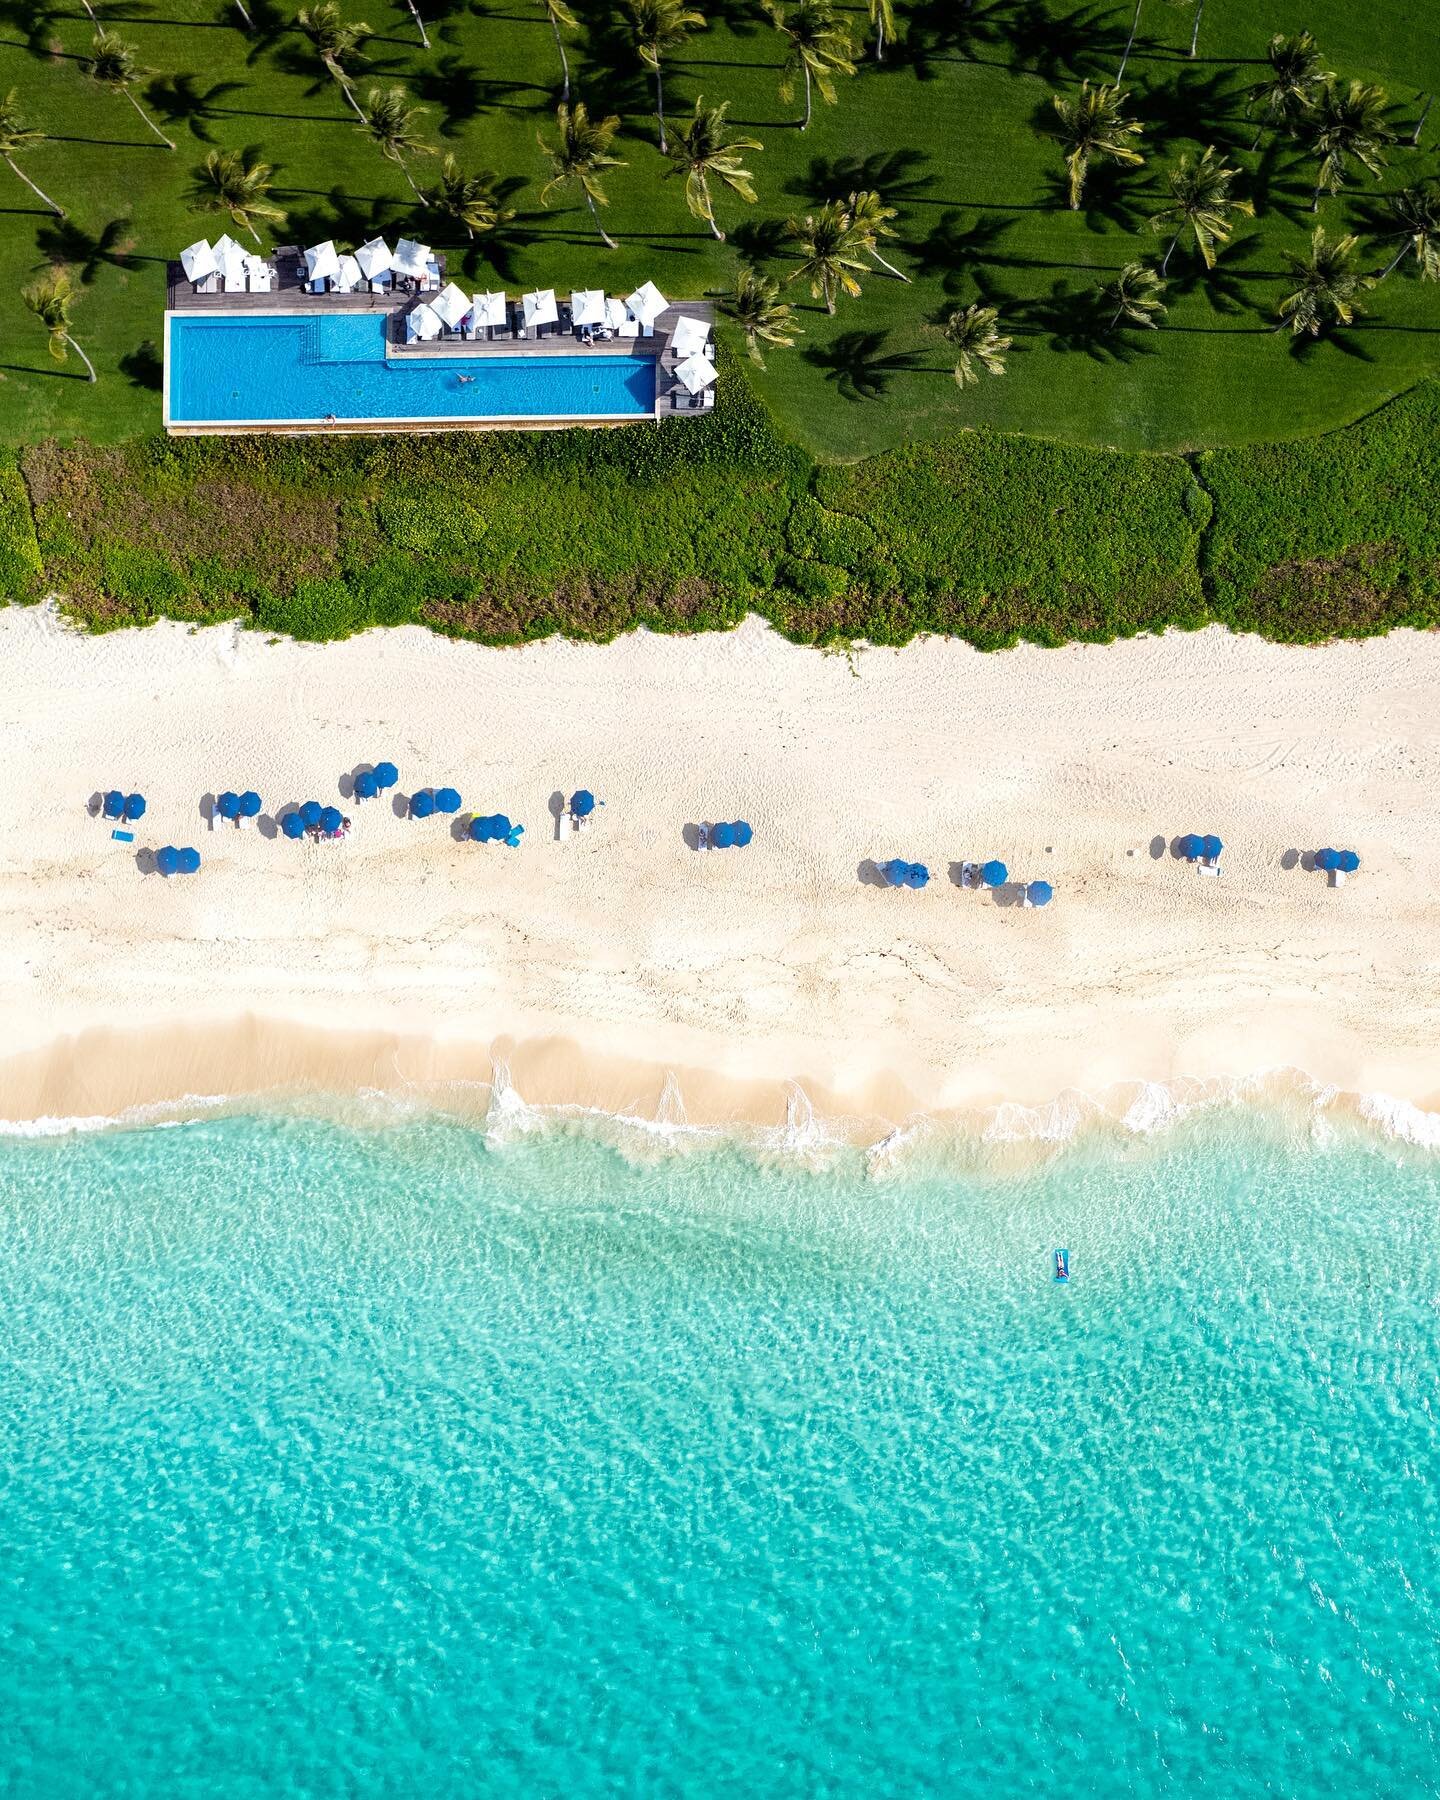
(123, 837)
(969, 875)
(1337, 878)
(1208, 865)
(322, 286)
(702, 837)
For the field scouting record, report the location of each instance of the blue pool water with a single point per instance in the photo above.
(382, 1460)
(251, 368)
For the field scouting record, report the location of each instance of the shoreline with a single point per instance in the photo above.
(618, 967)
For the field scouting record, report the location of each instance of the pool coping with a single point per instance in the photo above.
(418, 423)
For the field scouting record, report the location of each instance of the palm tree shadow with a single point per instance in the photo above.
(954, 250)
(943, 31)
(34, 22)
(761, 240)
(893, 174)
(858, 364)
(1304, 348)
(616, 81)
(1227, 285)
(63, 241)
(500, 249)
(179, 100)
(459, 92)
(1080, 324)
(144, 367)
(1068, 46)
(348, 218)
(1193, 106)
(1109, 201)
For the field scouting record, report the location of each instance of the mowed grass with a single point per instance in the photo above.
(950, 130)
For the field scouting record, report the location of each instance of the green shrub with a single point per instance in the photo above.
(21, 570)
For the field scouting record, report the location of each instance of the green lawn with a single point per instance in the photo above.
(946, 130)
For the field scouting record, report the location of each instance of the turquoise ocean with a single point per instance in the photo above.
(392, 1455)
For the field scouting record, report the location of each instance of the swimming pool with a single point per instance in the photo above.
(308, 368)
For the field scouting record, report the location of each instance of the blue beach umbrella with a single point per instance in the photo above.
(743, 833)
(448, 800)
(894, 871)
(1349, 862)
(167, 861)
(249, 804)
(422, 804)
(331, 819)
(293, 825)
(366, 786)
(582, 803)
(500, 826)
(1038, 893)
(1212, 845)
(916, 875)
(480, 831)
(386, 775)
(310, 812)
(228, 806)
(723, 837)
(1192, 846)
(1327, 859)
(994, 874)
(134, 806)
(114, 807)
(189, 861)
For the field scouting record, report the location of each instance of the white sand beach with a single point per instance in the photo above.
(597, 965)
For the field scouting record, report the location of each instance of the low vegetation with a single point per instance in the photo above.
(989, 537)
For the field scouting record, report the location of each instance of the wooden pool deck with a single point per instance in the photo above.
(290, 295)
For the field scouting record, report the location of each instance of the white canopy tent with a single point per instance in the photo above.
(615, 313)
(322, 261)
(691, 336)
(374, 258)
(411, 259)
(489, 309)
(259, 273)
(348, 276)
(423, 322)
(696, 372)
(587, 306)
(540, 308)
(647, 303)
(230, 259)
(198, 260)
(451, 304)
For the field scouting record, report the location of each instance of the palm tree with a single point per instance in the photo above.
(471, 200)
(1200, 202)
(1328, 290)
(700, 149)
(581, 151)
(49, 299)
(1296, 76)
(336, 44)
(817, 48)
(561, 19)
(830, 253)
(660, 26)
(882, 23)
(389, 122)
(756, 307)
(1424, 115)
(1346, 121)
(16, 135)
(241, 8)
(230, 182)
(1414, 217)
(1094, 126)
(1129, 42)
(112, 64)
(419, 23)
(870, 218)
(975, 333)
(1195, 34)
(1136, 291)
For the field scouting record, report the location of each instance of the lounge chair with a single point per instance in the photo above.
(629, 328)
(1337, 877)
(322, 286)
(970, 875)
(702, 837)
(647, 331)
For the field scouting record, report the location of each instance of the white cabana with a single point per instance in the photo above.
(198, 260)
(411, 259)
(691, 336)
(451, 304)
(488, 309)
(322, 261)
(423, 322)
(374, 258)
(647, 303)
(615, 313)
(347, 275)
(696, 372)
(230, 258)
(540, 308)
(587, 306)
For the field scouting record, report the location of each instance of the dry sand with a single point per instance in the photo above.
(403, 958)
